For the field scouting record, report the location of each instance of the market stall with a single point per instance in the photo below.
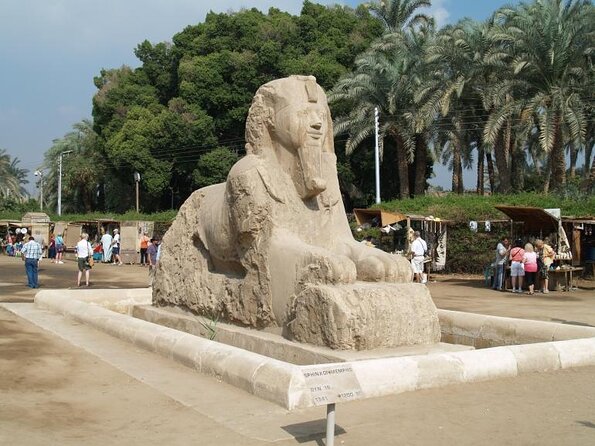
(401, 227)
(530, 224)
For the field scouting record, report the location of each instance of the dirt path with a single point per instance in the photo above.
(13, 281)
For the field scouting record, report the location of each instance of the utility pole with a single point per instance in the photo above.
(377, 156)
(137, 181)
(39, 173)
(60, 180)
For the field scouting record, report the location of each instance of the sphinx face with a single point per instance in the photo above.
(301, 127)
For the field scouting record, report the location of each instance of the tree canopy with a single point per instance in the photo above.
(512, 95)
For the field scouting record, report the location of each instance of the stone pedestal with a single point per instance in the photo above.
(364, 316)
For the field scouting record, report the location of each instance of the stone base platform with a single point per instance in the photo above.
(299, 386)
(270, 343)
(364, 316)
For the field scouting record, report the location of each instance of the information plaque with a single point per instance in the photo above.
(334, 383)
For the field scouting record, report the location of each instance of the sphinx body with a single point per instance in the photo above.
(272, 245)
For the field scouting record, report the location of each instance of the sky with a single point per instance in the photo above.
(50, 50)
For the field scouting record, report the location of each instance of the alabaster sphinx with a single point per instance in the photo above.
(272, 245)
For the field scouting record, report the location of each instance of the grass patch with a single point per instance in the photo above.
(467, 207)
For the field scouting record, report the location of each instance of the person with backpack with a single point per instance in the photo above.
(59, 249)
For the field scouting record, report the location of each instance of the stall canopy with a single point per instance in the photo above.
(535, 220)
(382, 218)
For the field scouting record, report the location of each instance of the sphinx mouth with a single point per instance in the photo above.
(315, 135)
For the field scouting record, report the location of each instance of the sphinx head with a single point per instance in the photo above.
(290, 120)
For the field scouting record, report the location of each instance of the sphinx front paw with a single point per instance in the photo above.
(327, 267)
(377, 266)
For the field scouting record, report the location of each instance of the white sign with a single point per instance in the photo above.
(334, 383)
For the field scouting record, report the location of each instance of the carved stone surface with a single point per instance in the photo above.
(245, 250)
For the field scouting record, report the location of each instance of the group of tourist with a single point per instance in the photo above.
(528, 263)
(107, 249)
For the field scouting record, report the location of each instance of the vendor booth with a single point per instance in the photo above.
(530, 224)
(401, 227)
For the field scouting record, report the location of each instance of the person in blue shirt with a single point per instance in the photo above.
(31, 253)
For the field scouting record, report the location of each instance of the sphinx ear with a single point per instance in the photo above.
(259, 121)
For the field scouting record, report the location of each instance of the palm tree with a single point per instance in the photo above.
(548, 46)
(82, 169)
(386, 77)
(376, 82)
(398, 14)
(452, 98)
(12, 177)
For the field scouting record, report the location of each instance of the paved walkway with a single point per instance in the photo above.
(66, 384)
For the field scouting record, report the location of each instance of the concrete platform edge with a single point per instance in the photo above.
(284, 383)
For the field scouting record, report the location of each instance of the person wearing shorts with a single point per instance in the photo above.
(83, 252)
(418, 251)
(59, 249)
(116, 248)
(517, 270)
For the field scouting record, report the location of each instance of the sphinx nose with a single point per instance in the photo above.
(316, 125)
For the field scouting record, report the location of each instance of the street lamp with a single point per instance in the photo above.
(376, 155)
(137, 181)
(39, 173)
(60, 180)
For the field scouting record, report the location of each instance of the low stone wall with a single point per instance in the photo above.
(287, 385)
(483, 331)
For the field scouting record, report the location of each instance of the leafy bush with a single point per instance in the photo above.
(469, 252)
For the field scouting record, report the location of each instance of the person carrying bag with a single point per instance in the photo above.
(84, 255)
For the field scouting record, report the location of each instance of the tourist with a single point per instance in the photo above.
(59, 249)
(83, 252)
(502, 251)
(31, 254)
(517, 270)
(530, 266)
(97, 252)
(418, 252)
(52, 249)
(106, 241)
(144, 244)
(152, 258)
(116, 248)
(546, 255)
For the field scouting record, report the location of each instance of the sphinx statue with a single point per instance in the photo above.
(272, 245)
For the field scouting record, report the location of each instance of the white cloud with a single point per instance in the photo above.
(439, 11)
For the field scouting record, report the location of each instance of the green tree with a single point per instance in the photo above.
(385, 78)
(192, 96)
(451, 98)
(213, 167)
(12, 178)
(82, 170)
(548, 46)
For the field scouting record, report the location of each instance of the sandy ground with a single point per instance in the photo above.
(53, 393)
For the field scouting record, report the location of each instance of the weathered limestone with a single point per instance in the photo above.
(363, 315)
(272, 246)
